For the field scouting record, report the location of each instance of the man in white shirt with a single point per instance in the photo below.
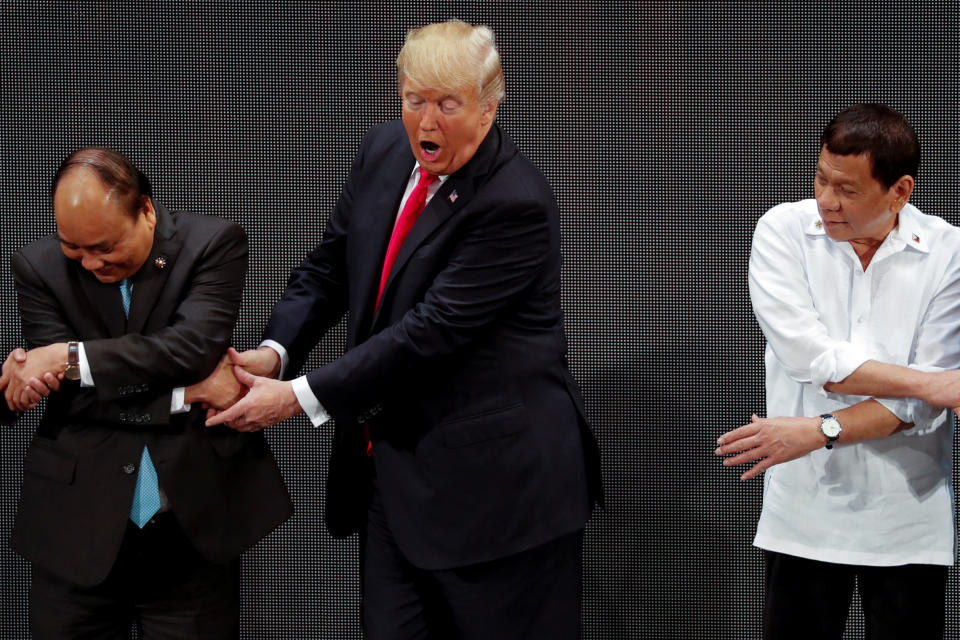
(858, 296)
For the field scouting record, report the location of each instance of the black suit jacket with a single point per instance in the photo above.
(481, 447)
(81, 467)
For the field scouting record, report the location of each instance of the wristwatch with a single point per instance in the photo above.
(72, 372)
(830, 427)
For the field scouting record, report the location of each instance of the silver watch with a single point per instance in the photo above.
(830, 427)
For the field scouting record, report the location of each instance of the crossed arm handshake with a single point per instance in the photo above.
(241, 392)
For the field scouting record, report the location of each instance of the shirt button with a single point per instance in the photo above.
(129, 468)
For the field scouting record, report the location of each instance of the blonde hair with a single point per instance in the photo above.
(450, 56)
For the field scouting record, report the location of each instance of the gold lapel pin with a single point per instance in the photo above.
(818, 224)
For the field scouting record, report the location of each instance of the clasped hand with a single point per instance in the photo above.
(264, 401)
(771, 441)
(29, 376)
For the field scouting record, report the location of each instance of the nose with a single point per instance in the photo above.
(91, 262)
(827, 199)
(428, 121)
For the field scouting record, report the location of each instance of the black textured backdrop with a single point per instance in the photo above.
(666, 129)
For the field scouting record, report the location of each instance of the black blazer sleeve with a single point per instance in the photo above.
(138, 371)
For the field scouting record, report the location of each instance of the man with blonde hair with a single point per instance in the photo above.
(461, 452)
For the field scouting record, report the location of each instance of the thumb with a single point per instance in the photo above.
(235, 356)
(243, 377)
(754, 418)
(19, 354)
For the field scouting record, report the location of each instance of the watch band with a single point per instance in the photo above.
(72, 372)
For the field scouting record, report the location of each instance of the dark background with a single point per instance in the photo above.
(666, 130)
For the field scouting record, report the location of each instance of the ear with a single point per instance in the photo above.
(148, 212)
(901, 190)
(489, 112)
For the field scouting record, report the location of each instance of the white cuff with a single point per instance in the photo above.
(177, 405)
(86, 378)
(308, 402)
(284, 359)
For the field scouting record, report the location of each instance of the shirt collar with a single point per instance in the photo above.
(907, 233)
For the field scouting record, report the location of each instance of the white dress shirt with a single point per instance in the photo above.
(301, 388)
(880, 502)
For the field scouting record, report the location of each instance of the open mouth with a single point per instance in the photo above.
(429, 150)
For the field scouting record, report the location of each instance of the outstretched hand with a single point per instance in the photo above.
(266, 402)
(770, 441)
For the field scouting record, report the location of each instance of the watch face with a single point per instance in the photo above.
(72, 373)
(830, 427)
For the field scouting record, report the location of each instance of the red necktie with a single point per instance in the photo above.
(411, 211)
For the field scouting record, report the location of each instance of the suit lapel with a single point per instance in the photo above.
(378, 227)
(456, 193)
(149, 282)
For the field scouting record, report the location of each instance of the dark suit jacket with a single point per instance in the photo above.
(81, 467)
(481, 447)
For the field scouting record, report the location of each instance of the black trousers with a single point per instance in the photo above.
(531, 595)
(159, 581)
(810, 599)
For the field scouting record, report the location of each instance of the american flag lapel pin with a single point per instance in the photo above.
(453, 196)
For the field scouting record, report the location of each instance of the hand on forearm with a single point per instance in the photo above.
(267, 402)
(262, 361)
(882, 380)
(219, 390)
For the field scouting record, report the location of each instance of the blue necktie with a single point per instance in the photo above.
(146, 496)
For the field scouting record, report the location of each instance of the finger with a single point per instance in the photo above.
(233, 413)
(744, 457)
(738, 433)
(243, 377)
(235, 356)
(756, 470)
(37, 386)
(19, 354)
(52, 380)
(30, 397)
(735, 446)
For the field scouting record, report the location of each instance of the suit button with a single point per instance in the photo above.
(129, 468)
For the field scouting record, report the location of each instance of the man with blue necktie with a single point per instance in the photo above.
(131, 509)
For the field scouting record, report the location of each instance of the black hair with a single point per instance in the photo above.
(876, 129)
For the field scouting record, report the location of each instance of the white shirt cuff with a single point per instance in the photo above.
(86, 378)
(177, 404)
(284, 359)
(308, 402)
